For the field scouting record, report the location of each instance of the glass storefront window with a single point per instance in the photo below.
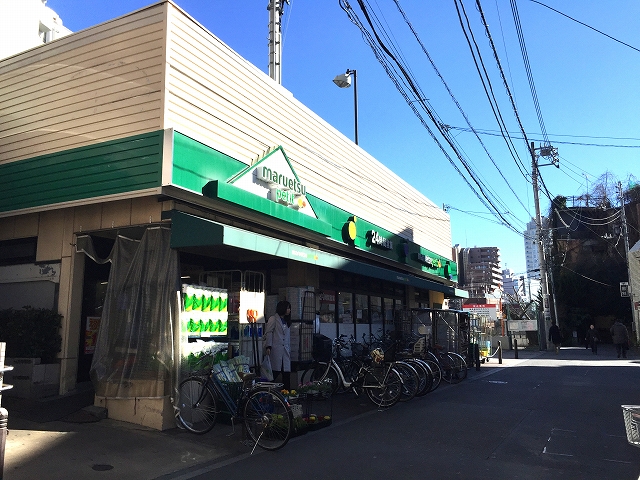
(345, 307)
(375, 305)
(362, 309)
(327, 307)
(345, 314)
(362, 316)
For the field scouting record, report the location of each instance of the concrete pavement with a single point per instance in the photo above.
(58, 439)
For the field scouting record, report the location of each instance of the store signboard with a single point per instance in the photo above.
(522, 325)
(486, 309)
(273, 177)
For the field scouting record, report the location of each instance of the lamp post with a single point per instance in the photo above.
(344, 81)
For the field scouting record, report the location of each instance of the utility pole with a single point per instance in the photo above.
(625, 233)
(539, 239)
(276, 9)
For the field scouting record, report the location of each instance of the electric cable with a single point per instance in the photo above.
(588, 26)
(454, 99)
(381, 52)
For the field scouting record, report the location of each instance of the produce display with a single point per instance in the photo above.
(204, 310)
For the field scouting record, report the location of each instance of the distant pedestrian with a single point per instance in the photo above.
(592, 339)
(554, 336)
(620, 338)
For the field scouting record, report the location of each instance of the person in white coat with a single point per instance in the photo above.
(277, 340)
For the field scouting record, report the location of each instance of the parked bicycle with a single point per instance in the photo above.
(266, 414)
(414, 377)
(381, 383)
(452, 365)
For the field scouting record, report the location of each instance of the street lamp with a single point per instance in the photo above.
(344, 81)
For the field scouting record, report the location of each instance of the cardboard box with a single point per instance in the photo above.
(156, 413)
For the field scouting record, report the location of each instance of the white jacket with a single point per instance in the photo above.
(278, 337)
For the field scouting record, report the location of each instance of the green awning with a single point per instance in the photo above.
(191, 231)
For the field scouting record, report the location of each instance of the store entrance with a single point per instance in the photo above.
(94, 289)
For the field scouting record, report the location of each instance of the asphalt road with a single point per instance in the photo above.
(548, 417)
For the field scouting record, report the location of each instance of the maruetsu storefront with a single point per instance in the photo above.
(225, 272)
(184, 197)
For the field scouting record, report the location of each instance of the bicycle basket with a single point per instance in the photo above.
(322, 348)
(234, 389)
(377, 355)
(632, 423)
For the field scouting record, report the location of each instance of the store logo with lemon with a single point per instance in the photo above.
(273, 177)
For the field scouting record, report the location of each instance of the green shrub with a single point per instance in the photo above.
(31, 333)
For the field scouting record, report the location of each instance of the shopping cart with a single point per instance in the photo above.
(632, 423)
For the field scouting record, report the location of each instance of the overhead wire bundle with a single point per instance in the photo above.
(400, 74)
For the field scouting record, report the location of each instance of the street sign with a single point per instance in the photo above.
(624, 289)
(522, 325)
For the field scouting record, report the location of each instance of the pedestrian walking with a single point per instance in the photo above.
(554, 336)
(592, 339)
(620, 337)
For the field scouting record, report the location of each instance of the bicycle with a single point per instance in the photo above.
(338, 370)
(266, 414)
(453, 366)
(382, 383)
(414, 378)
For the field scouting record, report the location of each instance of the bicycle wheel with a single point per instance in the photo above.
(449, 369)
(307, 375)
(460, 365)
(384, 391)
(268, 418)
(425, 375)
(197, 408)
(410, 380)
(350, 369)
(326, 372)
(433, 363)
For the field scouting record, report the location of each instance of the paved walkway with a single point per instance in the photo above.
(58, 439)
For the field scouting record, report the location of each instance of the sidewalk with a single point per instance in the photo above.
(59, 439)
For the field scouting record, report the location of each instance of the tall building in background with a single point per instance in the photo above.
(511, 285)
(526, 287)
(531, 250)
(27, 24)
(481, 272)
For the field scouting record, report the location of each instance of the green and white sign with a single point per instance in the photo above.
(273, 177)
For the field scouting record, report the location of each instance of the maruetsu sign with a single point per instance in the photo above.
(427, 260)
(283, 189)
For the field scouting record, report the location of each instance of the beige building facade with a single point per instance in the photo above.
(149, 120)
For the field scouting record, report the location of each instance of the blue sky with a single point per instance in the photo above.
(586, 86)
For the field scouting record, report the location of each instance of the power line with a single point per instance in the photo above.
(399, 75)
(588, 26)
(486, 84)
(495, 133)
(455, 101)
(525, 58)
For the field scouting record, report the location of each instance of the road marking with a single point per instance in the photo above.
(558, 454)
